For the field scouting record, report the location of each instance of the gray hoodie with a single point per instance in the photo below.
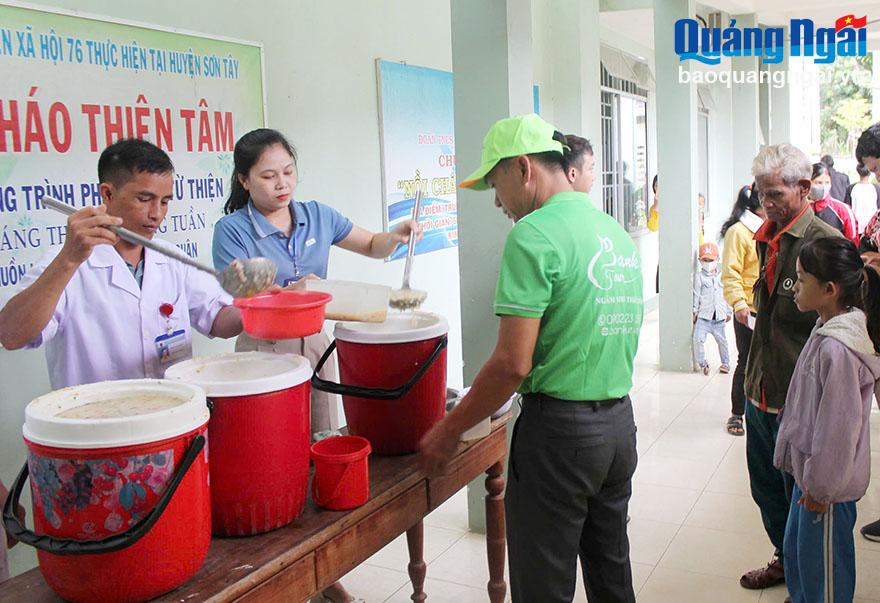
(824, 432)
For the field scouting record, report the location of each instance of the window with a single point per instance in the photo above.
(625, 183)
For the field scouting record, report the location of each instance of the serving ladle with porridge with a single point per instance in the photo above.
(242, 278)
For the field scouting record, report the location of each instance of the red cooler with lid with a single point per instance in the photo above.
(260, 437)
(119, 482)
(393, 378)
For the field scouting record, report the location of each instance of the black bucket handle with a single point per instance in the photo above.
(116, 542)
(373, 393)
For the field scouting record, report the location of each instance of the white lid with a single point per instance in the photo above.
(401, 327)
(242, 373)
(182, 409)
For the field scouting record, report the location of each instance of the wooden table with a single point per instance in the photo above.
(300, 560)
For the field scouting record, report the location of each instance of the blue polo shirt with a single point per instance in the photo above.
(246, 233)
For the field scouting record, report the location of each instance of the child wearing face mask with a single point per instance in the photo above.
(711, 312)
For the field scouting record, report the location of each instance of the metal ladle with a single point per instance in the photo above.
(241, 278)
(406, 298)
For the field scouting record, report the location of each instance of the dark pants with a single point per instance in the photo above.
(771, 488)
(738, 389)
(568, 489)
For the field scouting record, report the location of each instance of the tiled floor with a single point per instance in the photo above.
(694, 527)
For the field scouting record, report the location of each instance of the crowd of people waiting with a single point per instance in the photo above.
(799, 270)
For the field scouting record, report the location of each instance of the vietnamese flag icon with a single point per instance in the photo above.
(850, 21)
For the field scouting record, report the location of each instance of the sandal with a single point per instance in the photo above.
(735, 426)
(769, 575)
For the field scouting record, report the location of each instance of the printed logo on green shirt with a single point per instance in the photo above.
(607, 268)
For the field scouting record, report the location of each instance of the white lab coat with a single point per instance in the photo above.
(105, 326)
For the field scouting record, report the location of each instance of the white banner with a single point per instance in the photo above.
(74, 84)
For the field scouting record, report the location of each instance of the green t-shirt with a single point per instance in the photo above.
(576, 269)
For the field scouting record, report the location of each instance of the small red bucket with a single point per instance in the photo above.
(342, 474)
(283, 314)
(393, 378)
(119, 482)
(260, 436)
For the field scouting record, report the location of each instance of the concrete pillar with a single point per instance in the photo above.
(492, 67)
(780, 101)
(764, 107)
(805, 111)
(677, 167)
(746, 115)
(577, 76)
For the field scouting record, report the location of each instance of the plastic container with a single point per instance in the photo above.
(121, 506)
(453, 397)
(260, 435)
(283, 314)
(478, 431)
(342, 474)
(352, 301)
(393, 378)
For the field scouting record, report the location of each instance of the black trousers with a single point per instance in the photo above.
(738, 389)
(568, 489)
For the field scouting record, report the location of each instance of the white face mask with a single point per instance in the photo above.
(709, 266)
(818, 191)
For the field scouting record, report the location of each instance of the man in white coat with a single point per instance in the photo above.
(108, 309)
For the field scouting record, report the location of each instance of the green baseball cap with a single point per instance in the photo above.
(512, 137)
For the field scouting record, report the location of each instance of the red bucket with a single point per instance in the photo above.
(342, 474)
(283, 314)
(260, 436)
(119, 482)
(393, 378)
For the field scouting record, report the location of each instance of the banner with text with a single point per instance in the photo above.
(418, 150)
(74, 85)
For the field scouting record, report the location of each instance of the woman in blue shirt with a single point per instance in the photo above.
(263, 220)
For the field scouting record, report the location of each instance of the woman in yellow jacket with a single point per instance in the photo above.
(739, 271)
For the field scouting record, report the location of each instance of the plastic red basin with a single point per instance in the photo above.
(283, 314)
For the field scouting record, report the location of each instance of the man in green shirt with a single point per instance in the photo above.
(569, 296)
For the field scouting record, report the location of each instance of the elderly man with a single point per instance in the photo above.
(782, 174)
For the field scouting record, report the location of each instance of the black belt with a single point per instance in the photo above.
(595, 404)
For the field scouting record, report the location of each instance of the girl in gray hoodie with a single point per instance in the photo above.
(823, 436)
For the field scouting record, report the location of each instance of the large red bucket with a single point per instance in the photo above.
(260, 436)
(393, 378)
(119, 481)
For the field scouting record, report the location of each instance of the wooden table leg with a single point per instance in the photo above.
(415, 540)
(495, 532)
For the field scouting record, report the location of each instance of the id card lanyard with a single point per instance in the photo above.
(166, 310)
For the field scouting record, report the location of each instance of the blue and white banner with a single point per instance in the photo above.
(416, 127)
